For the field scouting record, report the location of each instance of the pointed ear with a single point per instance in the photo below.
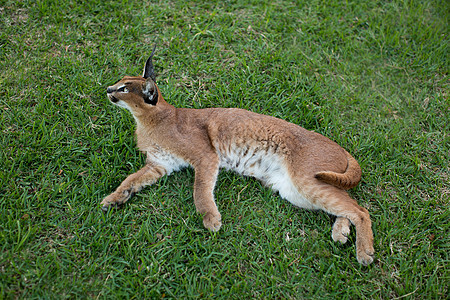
(150, 92)
(149, 71)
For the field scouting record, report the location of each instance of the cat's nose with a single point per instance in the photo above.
(109, 90)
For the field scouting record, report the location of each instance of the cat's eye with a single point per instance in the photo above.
(122, 89)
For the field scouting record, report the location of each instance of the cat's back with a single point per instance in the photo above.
(242, 127)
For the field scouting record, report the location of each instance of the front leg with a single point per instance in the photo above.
(133, 184)
(205, 179)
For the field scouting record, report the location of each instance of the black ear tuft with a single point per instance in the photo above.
(150, 92)
(149, 71)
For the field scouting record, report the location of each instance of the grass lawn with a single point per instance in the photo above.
(371, 75)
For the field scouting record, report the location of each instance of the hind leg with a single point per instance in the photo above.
(359, 216)
(337, 202)
(341, 205)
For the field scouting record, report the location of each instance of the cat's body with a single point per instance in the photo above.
(306, 168)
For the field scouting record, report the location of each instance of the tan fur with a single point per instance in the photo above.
(306, 168)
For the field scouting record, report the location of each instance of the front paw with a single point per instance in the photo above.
(116, 198)
(111, 200)
(212, 221)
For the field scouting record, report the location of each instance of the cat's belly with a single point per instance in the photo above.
(269, 168)
(166, 159)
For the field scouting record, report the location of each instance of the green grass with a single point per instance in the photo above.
(371, 75)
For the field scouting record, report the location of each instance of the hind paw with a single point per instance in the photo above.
(365, 257)
(341, 230)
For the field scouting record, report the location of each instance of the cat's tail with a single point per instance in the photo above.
(346, 180)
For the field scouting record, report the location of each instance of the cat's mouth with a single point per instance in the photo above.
(112, 98)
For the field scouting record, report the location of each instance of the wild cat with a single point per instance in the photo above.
(304, 167)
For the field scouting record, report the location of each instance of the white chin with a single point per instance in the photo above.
(122, 104)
